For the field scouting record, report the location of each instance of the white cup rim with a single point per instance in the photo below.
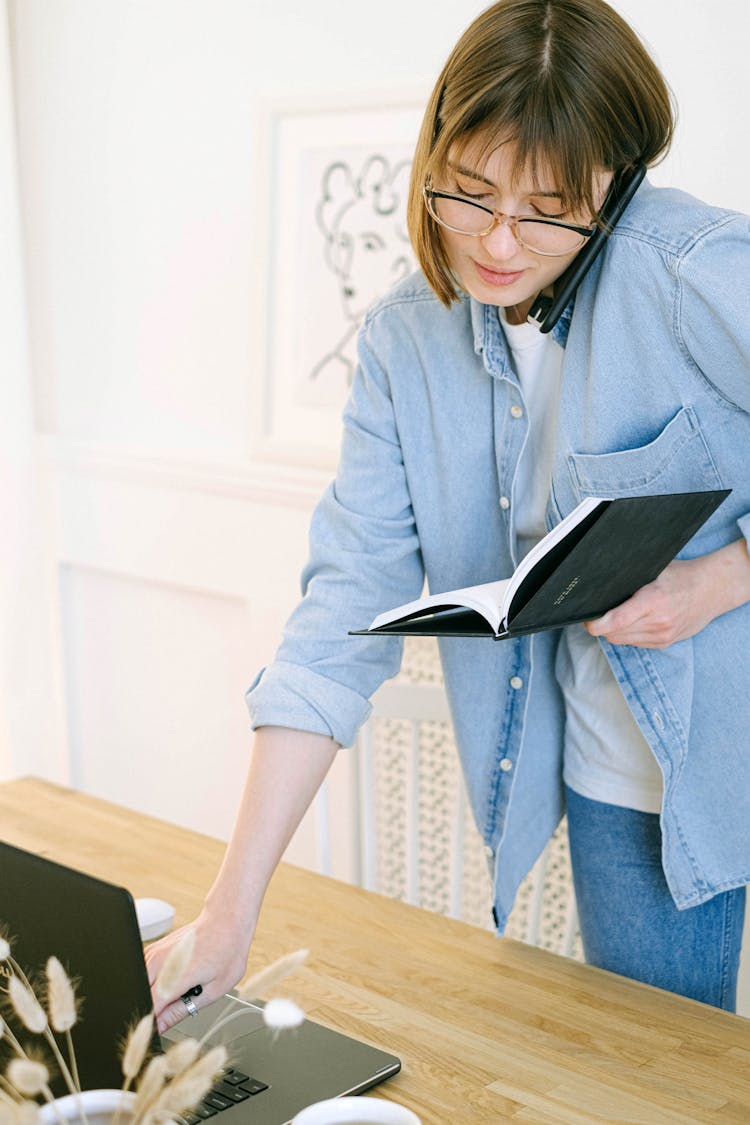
(356, 1110)
(93, 1101)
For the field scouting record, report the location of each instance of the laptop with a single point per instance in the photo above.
(91, 926)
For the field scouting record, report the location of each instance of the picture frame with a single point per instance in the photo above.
(334, 240)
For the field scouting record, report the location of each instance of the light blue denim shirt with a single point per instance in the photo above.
(655, 398)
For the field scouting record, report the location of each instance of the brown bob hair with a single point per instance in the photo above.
(568, 81)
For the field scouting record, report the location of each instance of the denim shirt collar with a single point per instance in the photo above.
(489, 341)
(562, 328)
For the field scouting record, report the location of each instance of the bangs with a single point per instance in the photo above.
(552, 148)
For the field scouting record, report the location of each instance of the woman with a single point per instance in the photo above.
(466, 435)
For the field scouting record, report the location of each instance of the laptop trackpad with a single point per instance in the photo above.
(249, 1018)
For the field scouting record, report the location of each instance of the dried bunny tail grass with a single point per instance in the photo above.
(26, 1113)
(9, 1095)
(136, 1048)
(281, 1014)
(174, 966)
(28, 1076)
(181, 1055)
(26, 1006)
(6, 1033)
(150, 1085)
(260, 984)
(4, 949)
(19, 1113)
(192, 1085)
(34, 1018)
(61, 997)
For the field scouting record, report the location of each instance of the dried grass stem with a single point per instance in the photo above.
(136, 1049)
(175, 965)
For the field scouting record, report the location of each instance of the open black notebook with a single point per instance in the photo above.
(593, 560)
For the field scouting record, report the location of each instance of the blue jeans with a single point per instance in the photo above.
(629, 923)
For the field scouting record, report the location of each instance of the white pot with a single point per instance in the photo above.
(99, 1106)
(356, 1111)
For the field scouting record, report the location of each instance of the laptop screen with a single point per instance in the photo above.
(91, 927)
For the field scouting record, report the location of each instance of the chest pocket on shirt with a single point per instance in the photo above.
(677, 460)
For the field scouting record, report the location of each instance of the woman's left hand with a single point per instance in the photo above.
(685, 597)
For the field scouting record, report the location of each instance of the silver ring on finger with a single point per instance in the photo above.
(189, 1004)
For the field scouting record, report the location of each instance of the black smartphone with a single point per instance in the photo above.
(546, 311)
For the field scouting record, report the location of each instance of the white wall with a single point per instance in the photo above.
(143, 176)
(31, 735)
(142, 179)
(702, 50)
(175, 545)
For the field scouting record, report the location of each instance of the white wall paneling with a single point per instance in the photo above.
(225, 529)
(166, 754)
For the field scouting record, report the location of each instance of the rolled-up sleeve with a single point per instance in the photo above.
(364, 558)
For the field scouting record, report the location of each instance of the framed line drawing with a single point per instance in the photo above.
(336, 240)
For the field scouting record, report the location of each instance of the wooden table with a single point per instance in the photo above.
(487, 1030)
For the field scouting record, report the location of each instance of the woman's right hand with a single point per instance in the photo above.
(286, 769)
(218, 962)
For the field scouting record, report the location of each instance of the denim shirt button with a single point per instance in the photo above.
(506, 764)
(516, 411)
(516, 683)
(504, 503)
(489, 851)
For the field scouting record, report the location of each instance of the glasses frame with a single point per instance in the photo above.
(498, 218)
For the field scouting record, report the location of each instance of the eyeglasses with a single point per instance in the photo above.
(464, 216)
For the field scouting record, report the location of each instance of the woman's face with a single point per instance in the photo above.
(495, 268)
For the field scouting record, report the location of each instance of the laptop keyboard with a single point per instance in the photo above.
(232, 1088)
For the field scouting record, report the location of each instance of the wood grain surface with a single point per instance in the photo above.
(487, 1030)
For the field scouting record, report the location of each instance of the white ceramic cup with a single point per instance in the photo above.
(356, 1111)
(99, 1108)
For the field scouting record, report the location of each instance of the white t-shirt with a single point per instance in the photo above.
(537, 360)
(606, 757)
